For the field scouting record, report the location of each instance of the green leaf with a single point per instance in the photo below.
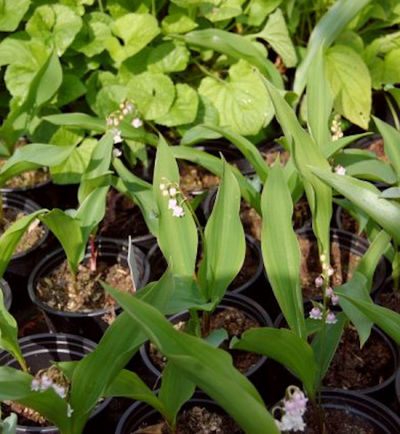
(140, 192)
(177, 236)
(68, 231)
(9, 425)
(56, 25)
(260, 9)
(235, 46)
(284, 346)
(12, 236)
(210, 368)
(77, 120)
(325, 344)
(11, 13)
(152, 93)
(241, 100)
(386, 319)
(276, 34)
(177, 21)
(351, 84)
(183, 109)
(391, 140)
(328, 28)
(218, 10)
(281, 251)
(391, 193)
(135, 30)
(70, 90)
(168, 57)
(330, 148)
(223, 254)
(175, 390)
(366, 197)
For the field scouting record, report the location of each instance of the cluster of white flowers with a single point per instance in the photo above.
(336, 128)
(113, 120)
(174, 204)
(292, 409)
(44, 382)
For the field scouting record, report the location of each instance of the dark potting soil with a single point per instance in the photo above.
(196, 178)
(354, 368)
(271, 155)
(196, 420)
(31, 236)
(235, 322)
(122, 218)
(343, 261)
(350, 224)
(378, 148)
(60, 291)
(337, 421)
(390, 299)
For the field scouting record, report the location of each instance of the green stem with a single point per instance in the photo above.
(208, 73)
(101, 6)
(1, 209)
(393, 112)
(153, 8)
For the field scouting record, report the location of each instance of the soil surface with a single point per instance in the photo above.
(377, 147)
(195, 178)
(30, 238)
(26, 416)
(338, 421)
(235, 322)
(197, 420)
(350, 224)
(122, 217)
(343, 262)
(354, 368)
(270, 156)
(390, 299)
(60, 291)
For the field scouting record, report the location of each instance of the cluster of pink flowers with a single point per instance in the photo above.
(292, 408)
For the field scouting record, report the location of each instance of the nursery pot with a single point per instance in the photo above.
(88, 324)
(141, 413)
(381, 391)
(339, 223)
(354, 244)
(39, 352)
(6, 294)
(398, 386)
(358, 408)
(158, 265)
(250, 308)
(21, 263)
(384, 294)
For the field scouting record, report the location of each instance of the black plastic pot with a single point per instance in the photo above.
(355, 245)
(39, 352)
(387, 287)
(87, 324)
(398, 386)
(22, 263)
(4, 286)
(338, 220)
(249, 307)
(141, 413)
(158, 265)
(381, 419)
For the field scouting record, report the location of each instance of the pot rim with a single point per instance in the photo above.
(59, 252)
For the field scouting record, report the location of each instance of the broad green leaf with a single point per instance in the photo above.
(329, 148)
(391, 193)
(11, 14)
(386, 319)
(241, 100)
(235, 46)
(9, 424)
(95, 33)
(366, 197)
(325, 344)
(183, 109)
(258, 10)
(36, 154)
(305, 151)
(177, 236)
(15, 385)
(350, 81)
(70, 90)
(284, 346)
(56, 25)
(11, 237)
(391, 140)
(77, 120)
(210, 368)
(223, 254)
(281, 251)
(9, 334)
(140, 192)
(168, 57)
(135, 31)
(221, 10)
(175, 390)
(177, 21)
(328, 28)
(247, 148)
(152, 93)
(276, 34)
(215, 165)
(68, 231)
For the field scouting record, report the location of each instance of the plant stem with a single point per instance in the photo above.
(393, 112)
(93, 252)
(207, 72)
(101, 6)
(1, 209)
